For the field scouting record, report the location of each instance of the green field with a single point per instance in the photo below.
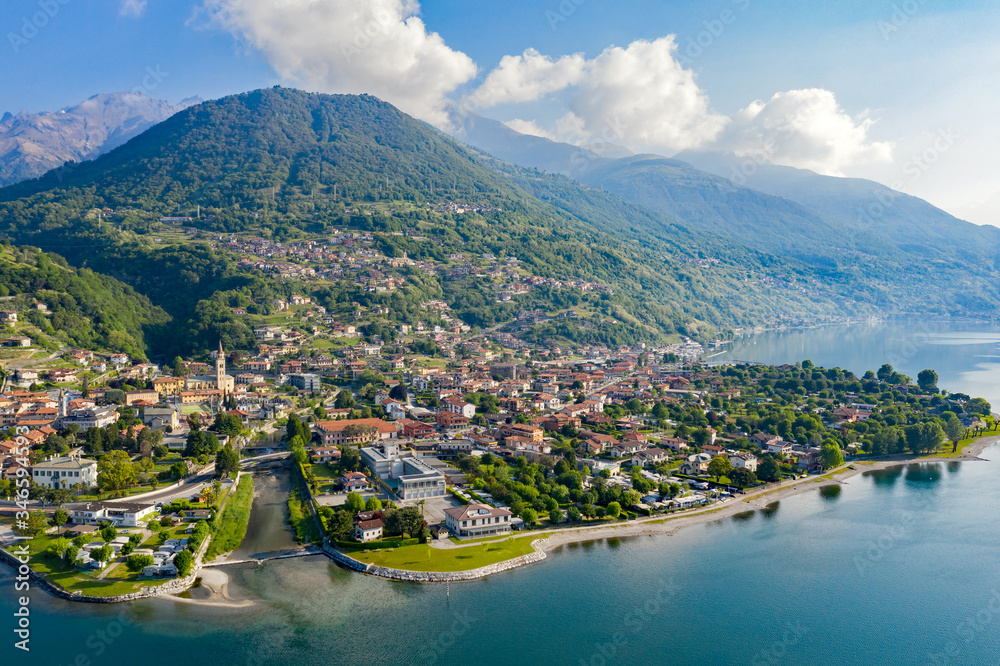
(232, 525)
(424, 558)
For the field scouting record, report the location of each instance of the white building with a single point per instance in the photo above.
(474, 520)
(65, 472)
(121, 514)
(747, 460)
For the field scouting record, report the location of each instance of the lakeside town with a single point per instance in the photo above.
(124, 478)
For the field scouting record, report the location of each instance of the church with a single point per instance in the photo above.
(221, 381)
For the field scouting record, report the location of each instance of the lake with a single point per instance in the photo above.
(895, 567)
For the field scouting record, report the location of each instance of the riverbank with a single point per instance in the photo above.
(212, 591)
(545, 541)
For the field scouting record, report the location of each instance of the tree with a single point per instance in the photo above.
(340, 525)
(885, 372)
(59, 546)
(227, 461)
(60, 517)
(529, 516)
(109, 533)
(589, 511)
(927, 380)
(228, 424)
(350, 458)
(573, 514)
(71, 553)
(355, 502)
(719, 467)
(953, 429)
(183, 561)
(742, 477)
(769, 469)
(831, 454)
(345, 400)
(398, 392)
(407, 520)
(924, 437)
(178, 470)
(373, 504)
(555, 515)
(138, 562)
(978, 406)
(630, 498)
(614, 509)
(102, 554)
(115, 471)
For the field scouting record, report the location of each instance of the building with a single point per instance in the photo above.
(747, 460)
(131, 397)
(355, 431)
(220, 381)
(476, 520)
(168, 385)
(324, 454)
(161, 418)
(306, 382)
(407, 476)
(696, 464)
(90, 417)
(368, 530)
(415, 429)
(461, 407)
(353, 481)
(65, 472)
(121, 514)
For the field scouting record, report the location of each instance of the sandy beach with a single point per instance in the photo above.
(214, 591)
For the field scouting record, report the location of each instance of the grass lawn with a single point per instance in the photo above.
(121, 581)
(302, 521)
(232, 525)
(422, 557)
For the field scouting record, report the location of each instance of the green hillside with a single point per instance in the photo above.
(82, 308)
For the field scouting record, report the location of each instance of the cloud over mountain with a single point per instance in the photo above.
(381, 47)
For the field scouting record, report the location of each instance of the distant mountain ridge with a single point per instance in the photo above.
(34, 143)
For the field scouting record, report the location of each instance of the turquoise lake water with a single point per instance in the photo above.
(896, 567)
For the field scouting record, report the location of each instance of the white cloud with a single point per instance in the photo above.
(132, 7)
(806, 129)
(638, 95)
(528, 127)
(528, 77)
(379, 47)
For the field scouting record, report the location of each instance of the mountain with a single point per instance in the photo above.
(660, 247)
(908, 222)
(31, 144)
(529, 151)
(282, 163)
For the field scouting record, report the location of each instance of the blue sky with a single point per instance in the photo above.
(870, 84)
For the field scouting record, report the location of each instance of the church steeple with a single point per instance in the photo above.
(220, 369)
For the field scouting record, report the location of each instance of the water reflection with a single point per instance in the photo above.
(743, 516)
(953, 467)
(771, 510)
(885, 478)
(923, 473)
(831, 492)
(614, 542)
